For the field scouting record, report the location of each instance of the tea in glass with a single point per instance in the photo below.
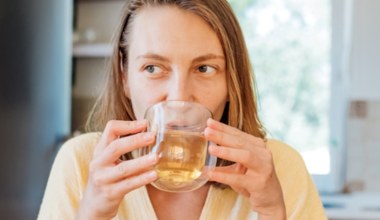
(184, 161)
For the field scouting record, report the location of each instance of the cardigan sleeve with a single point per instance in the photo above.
(301, 197)
(68, 178)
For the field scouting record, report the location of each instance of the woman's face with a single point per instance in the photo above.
(174, 55)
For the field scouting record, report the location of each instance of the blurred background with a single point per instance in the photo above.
(317, 76)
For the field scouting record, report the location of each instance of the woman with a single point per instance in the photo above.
(187, 50)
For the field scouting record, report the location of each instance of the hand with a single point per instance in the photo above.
(111, 179)
(253, 175)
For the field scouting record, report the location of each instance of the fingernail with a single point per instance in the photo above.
(152, 174)
(209, 121)
(141, 123)
(148, 136)
(212, 148)
(152, 157)
(207, 131)
(160, 155)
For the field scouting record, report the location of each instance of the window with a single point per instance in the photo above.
(289, 45)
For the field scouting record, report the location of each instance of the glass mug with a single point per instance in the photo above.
(184, 161)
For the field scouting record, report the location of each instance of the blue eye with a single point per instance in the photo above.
(206, 69)
(152, 69)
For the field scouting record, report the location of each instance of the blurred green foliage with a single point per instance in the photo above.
(289, 45)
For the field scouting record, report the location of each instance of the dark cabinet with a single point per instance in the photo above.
(35, 89)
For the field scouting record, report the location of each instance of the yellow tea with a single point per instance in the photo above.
(182, 157)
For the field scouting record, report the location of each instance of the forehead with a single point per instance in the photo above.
(160, 26)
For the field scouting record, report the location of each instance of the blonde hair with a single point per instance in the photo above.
(241, 111)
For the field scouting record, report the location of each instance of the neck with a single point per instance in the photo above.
(188, 204)
(162, 195)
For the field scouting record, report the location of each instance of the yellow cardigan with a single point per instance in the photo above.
(69, 174)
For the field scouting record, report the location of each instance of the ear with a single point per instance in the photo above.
(124, 75)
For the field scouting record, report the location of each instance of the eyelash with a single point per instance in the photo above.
(146, 68)
(155, 70)
(213, 69)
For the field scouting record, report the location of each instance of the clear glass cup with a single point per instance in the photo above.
(184, 161)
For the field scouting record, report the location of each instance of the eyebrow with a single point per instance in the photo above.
(195, 60)
(153, 56)
(207, 57)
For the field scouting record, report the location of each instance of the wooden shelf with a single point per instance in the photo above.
(92, 50)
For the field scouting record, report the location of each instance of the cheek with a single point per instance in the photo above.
(214, 97)
(139, 98)
(219, 104)
(143, 94)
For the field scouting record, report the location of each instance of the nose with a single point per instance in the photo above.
(180, 87)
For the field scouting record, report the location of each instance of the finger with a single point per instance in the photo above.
(221, 138)
(234, 132)
(231, 169)
(126, 144)
(249, 158)
(129, 184)
(240, 190)
(217, 125)
(236, 181)
(114, 129)
(234, 168)
(127, 169)
(226, 169)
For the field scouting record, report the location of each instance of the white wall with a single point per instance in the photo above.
(363, 120)
(363, 149)
(365, 53)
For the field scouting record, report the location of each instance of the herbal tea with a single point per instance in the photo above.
(182, 157)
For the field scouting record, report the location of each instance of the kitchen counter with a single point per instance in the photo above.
(355, 206)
